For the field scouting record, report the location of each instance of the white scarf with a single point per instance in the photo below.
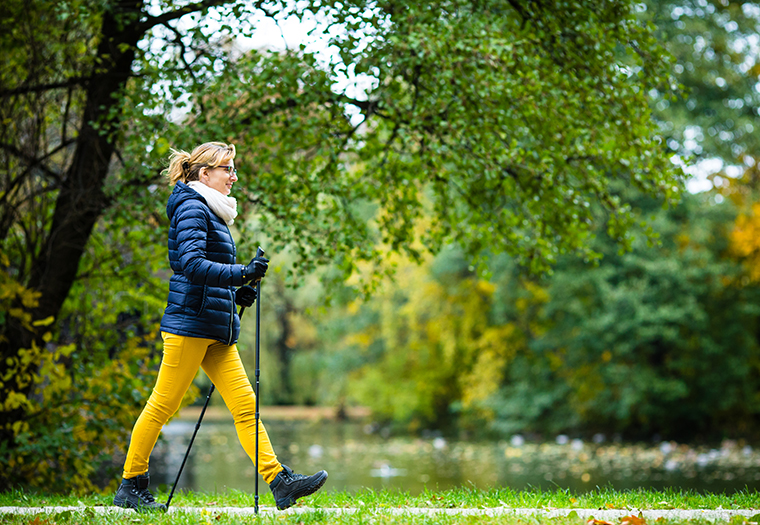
(223, 206)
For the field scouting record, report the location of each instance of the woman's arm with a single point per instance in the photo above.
(192, 232)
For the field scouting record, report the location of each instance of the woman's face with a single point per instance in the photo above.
(220, 178)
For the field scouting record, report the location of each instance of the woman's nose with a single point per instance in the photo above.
(233, 177)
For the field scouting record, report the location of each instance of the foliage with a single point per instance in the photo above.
(425, 341)
(651, 342)
(712, 43)
(76, 417)
(744, 237)
(95, 92)
(661, 340)
(657, 341)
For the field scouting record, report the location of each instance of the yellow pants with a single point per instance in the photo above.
(182, 357)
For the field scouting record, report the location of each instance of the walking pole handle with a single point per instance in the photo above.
(259, 253)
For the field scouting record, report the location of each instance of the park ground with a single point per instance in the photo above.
(599, 507)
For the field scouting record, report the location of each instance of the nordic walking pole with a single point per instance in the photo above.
(259, 253)
(197, 426)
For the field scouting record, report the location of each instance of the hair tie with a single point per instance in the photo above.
(185, 166)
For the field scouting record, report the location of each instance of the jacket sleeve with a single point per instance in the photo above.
(192, 232)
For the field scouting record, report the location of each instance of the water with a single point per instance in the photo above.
(358, 457)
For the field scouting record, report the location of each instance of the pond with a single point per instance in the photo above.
(358, 456)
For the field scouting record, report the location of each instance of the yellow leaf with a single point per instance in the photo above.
(44, 322)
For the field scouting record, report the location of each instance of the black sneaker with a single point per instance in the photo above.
(288, 486)
(133, 493)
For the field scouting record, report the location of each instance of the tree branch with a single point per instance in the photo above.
(368, 107)
(520, 11)
(153, 21)
(33, 162)
(75, 81)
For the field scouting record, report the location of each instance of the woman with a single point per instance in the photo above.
(200, 325)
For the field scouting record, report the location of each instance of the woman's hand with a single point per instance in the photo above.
(256, 269)
(245, 296)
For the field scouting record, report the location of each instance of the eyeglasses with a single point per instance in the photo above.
(229, 169)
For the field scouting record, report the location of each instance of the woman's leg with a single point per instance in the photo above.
(180, 362)
(223, 366)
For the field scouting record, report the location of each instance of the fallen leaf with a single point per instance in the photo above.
(632, 520)
(594, 521)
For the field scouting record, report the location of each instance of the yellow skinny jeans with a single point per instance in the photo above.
(182, 357)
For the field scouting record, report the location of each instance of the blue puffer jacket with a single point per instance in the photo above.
(202, 255)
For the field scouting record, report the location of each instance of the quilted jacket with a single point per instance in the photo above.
(202, 256)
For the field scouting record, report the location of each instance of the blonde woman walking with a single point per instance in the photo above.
(200, 326)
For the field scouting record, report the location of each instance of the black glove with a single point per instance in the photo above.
(245, 296)
(256, 269)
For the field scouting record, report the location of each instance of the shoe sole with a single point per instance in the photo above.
(284, 504)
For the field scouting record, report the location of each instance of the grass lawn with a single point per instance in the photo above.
(382, 507)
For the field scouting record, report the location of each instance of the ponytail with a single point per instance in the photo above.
(179, 167)
(185, 167)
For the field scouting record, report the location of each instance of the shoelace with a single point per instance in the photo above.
(145, 495)
(293, 476)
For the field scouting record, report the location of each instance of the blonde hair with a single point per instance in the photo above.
(186, 167)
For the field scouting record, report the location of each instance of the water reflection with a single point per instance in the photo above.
(356, 460)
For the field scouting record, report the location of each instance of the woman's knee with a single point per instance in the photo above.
(161, 407)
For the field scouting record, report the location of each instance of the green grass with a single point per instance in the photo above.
(367, 506)
(457, 498)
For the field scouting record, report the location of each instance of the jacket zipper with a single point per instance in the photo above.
(232, 292)
(232, 318)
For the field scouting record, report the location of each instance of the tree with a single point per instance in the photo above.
(643, 344)
(658, 341)
(506, 120)
(711, 41)
(661, 340)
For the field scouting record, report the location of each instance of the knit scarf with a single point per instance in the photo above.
(224, 207)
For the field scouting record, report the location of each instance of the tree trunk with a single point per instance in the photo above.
(81, 200)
